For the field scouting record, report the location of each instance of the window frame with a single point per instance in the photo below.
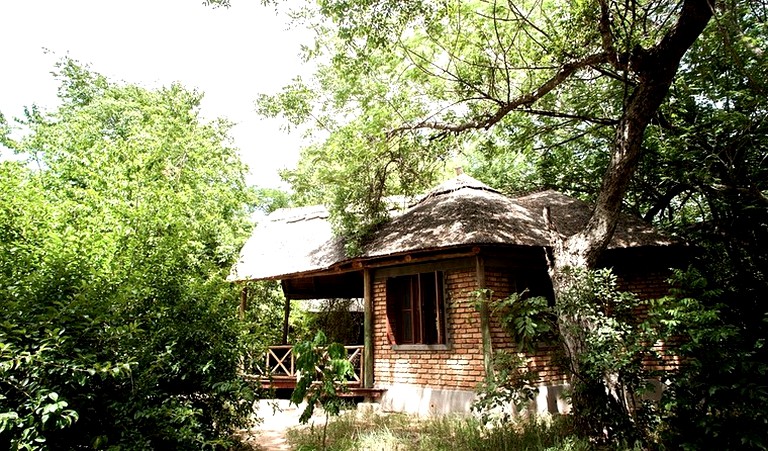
(413, 283)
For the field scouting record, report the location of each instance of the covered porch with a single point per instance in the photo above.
(277, 367)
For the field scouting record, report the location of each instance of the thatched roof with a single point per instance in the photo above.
(459, 212)
(283, 243)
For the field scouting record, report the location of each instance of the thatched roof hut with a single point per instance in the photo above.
(458, 213)
(418, 270)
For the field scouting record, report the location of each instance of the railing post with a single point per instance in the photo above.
(356, 356)
(362, 367)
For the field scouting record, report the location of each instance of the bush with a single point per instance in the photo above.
(117, 328)
(717, 398)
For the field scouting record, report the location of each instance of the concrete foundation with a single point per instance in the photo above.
(550, 400)
(425, 401)
(368, 408)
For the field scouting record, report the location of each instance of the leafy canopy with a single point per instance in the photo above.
(117, 328)
(518, 90)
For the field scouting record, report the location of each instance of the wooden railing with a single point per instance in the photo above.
(279, 368)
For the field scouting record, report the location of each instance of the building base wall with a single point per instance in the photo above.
(427, 401)
(550, 399)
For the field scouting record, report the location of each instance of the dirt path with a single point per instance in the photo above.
(278, 416)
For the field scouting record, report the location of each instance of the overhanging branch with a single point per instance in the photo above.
(492, 118)
(580, 117)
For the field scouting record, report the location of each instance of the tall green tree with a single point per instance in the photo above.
(702, 178)
(408, 84)
(117, 328)
(705, 177)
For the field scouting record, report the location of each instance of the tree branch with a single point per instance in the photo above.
(655, 68)
(492, 118)
(594, 120)
(604, 26)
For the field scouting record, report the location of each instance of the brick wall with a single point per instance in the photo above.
(647, 285)
(458, 368)
(651, 285)
(542, 360)
(461, 366)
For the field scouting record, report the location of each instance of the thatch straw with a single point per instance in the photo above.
(459, 212)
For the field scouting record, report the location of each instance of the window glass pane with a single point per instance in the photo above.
(407, 329)
(406, 294)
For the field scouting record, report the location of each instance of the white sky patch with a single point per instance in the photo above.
(231, 55)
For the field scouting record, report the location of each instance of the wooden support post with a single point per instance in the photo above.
(368, 329)
(485, 319)
(286, 314)
(243, 302)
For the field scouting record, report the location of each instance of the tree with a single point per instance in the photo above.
(408, 84)
(117, 326)
(704, 178)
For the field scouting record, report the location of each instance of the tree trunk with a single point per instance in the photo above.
(654, 69)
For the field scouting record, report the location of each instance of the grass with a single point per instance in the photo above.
(407, 433)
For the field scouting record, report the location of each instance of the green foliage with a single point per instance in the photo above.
(117, 329)
(510, 386)
(403, 88)
(606, 343)
(704, 178)
(717, 397)
(353, 173)
(530, 317)
(508, 393)
(324, 370)
(265, 309)
(509, 171)
(336, 319)
(704, 172)
(27, 373)
(428, 79)
(271, 199)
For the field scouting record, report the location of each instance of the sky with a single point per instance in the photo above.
(230, 54)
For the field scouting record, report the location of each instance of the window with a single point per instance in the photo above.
(533, 283)
(415, 309)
